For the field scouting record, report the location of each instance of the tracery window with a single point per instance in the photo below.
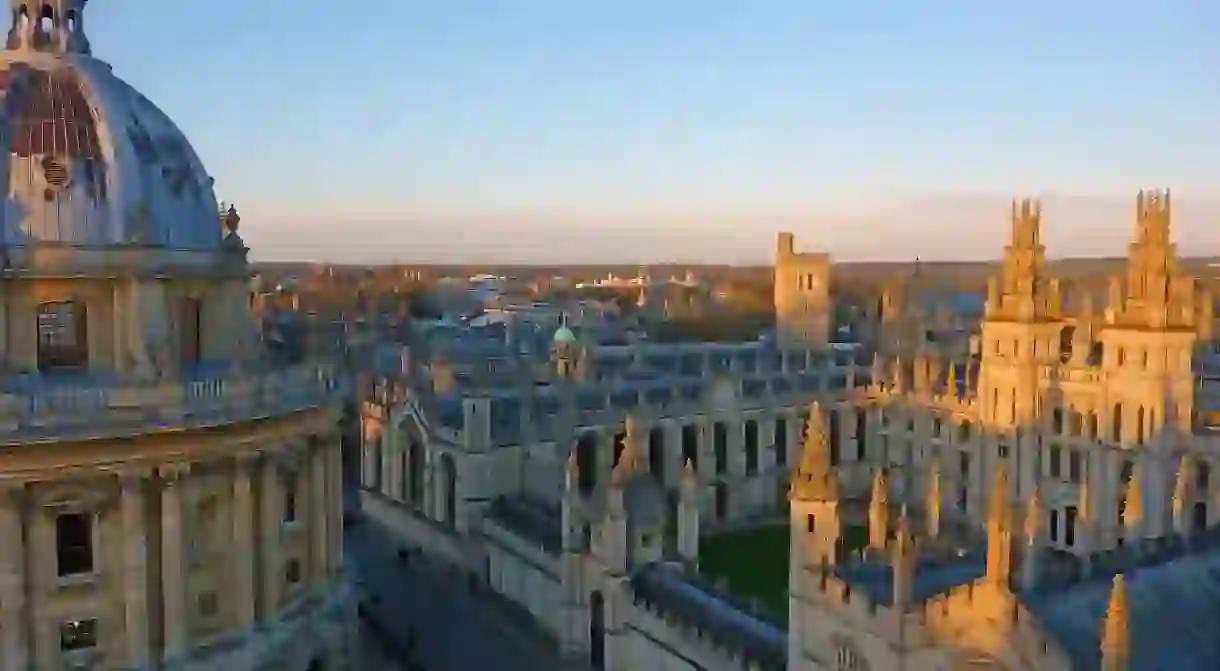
(848, 658)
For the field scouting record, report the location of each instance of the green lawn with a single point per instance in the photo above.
(755, 563)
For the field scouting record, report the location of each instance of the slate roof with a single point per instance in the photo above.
(1174, 606)
(534, 519)
(932, 578)
(668, 591)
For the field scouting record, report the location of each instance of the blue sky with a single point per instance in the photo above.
(555, 129)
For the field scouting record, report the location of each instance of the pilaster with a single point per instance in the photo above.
(134, 487)
(245, 554)
(334, 457)
(271, 535)
(173, 560)
(14, 634)
(321, 509)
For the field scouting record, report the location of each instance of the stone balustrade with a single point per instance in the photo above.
(35, 409)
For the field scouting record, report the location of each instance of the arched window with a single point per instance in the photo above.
(597, 630)
(751, 439)
(1116, 423)
(656, 453)
(720, 443)
(190, 329)
(586, 462)
(781, 442)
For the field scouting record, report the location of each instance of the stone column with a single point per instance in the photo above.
(134, 505)
(173, 560)
(335, 478)
(245, 555)
(271, 576)
(321, 511)
(16, 650)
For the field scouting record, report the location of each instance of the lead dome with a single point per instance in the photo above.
(93, 162)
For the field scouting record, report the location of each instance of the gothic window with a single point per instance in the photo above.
(1054, 526)
(1074, 467)
(861, 434)
(1116, 423)
(1057, 421)
(833, 430)
(751, 439)
(62, 336)
(656, 453)
(848, 658)
(1056, 459)
(586, 462)
(74, 544)
(720, 437)
(690, 445)
(781, 442)
(1069, 527)
(1139, 425)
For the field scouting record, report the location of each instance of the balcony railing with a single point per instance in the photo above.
(38, 408)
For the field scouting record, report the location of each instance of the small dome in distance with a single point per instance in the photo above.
(564, 334)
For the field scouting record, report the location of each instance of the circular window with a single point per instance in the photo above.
(55, 173)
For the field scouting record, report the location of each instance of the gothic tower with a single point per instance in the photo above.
(803, 311)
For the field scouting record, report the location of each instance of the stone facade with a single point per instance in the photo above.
(1007, 495)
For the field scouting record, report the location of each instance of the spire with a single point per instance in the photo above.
(879, 512)
(814, 480)
(932, 500)
(1181, 494)
(1033, 517)
(690, 479)
(629, 458)
(571, 478)
(1133, 505)
(878, 380)
(951, 379)
(49, 26)
(902, 560)
(1115, 633)
(999, 530)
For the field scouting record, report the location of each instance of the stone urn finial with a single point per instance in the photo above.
(231, 220)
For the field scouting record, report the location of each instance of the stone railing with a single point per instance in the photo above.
(34, 409)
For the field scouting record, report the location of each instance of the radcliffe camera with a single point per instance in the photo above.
(545, 336)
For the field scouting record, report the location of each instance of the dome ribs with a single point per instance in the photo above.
(54, 118)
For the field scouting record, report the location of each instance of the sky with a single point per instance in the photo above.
(640, 131)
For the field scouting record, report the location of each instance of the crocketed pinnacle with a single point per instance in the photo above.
(813, 479)
(1115, 636)
(629, 459)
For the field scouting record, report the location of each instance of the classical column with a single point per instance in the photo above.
(244, 551)
(334, 456)
(320, 509)
(15, 653)
(173, 560)
(272, 573)
(134, 505)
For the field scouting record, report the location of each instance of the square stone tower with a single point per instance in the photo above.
(802, 296)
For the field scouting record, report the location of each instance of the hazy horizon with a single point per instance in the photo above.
(934, 229)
